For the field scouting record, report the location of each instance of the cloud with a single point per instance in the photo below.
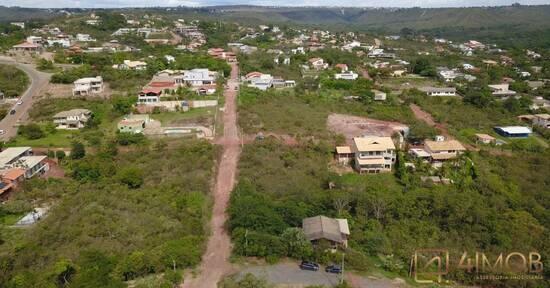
(195, 3)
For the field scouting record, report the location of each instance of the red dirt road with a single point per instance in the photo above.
(215, 262)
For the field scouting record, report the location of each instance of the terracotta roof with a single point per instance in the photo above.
(160, 84)
(14, 174)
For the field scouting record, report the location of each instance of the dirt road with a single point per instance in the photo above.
(215, 262)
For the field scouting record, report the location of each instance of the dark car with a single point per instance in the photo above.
(12, 112)
(306, 265)
(333, 269)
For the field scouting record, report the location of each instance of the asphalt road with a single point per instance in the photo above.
(38, 81)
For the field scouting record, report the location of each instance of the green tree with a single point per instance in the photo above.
(297, 245)
(78, 150)
(131, 176)
(31, 131)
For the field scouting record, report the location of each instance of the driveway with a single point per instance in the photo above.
(289, 275)
(38, 81)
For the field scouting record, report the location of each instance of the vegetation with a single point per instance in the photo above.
(120, 216)
(13, 82)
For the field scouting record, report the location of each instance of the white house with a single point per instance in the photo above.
(72, 119)
(347, 75)
(501, 90)
(131, 65)
(63, 42)
(199, 77)
(318, 63)
(374, 154)
(379, 95)
(436, 91)
(87, 86)
(84, 38)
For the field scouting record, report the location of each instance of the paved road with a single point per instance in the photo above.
(215, 261)
(38, 81)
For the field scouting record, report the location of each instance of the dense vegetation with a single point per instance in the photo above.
(13, 82)
(117, 217)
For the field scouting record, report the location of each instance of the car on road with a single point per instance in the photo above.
(2, 132)
(19, 102)
(307, 265)
(333, 269)
(12, 111)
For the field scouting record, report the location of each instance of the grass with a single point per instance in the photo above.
(171, 118)
(61, 138)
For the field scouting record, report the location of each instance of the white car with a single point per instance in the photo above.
(19, 102)
(2, 132)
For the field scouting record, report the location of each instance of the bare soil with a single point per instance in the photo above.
(354, 126)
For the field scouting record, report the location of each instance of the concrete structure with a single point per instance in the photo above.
(133, 123)
(22, 157)
(348, 75)
(514, 131)
(374, 154)
(501, 90)
(379, 95)
(72, 119)
(436, 91)
(87, 86)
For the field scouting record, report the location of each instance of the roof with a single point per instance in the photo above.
(371, 161)
(312, 60)
(13, 174)
(373, 143)
(421, 153)
(322, 227)
(11, 153)
(155, 90)
(515, 129)
(438, 89)
(485, 136)
(443, 156)
(343, 150)
(161, 84)
(31, 161)
(543, 116)
(26, 45)
(443, 145)
(72, 112)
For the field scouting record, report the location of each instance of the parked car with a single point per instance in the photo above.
(333, 269)
(12, 111)
(307, 265)
(19, 102)
(2, 132)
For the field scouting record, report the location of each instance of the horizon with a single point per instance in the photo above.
(117, 4)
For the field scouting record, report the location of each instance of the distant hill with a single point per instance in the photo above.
(11, 14)
(393, 19)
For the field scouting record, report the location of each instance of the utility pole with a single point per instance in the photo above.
(342, 276)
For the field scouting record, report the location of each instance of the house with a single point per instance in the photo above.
(259, 80)
(22, 157)
(318, 63)
(443, 149)
(341, 67)
(467, 66)
(485, 138)
(87, 86)
(64, 42)
(9, 179)
(514, 131)
(379, 95)
(540, 103)
(199, 77)
(150, 95)
(72, 119)
(344, 155)
(131, 65)
(35, 40)
(318, 228)
(133, 123)
(542, 120)
(19, 24)
(27, 47)
(348, 75)
(398, 73)
(447, 75)
(419, 153)
(437, 91)
(501, 90)
(374, 154)
(84, 38)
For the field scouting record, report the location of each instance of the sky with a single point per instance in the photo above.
(196, 3)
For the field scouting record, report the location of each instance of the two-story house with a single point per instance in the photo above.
(374, 154)
(87, 86)
(443, 150)
(72, 119)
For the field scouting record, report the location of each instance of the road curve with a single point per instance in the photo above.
(38, 81)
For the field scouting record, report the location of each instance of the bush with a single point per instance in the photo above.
(31, 131)
(131, 176)
(78, 150)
